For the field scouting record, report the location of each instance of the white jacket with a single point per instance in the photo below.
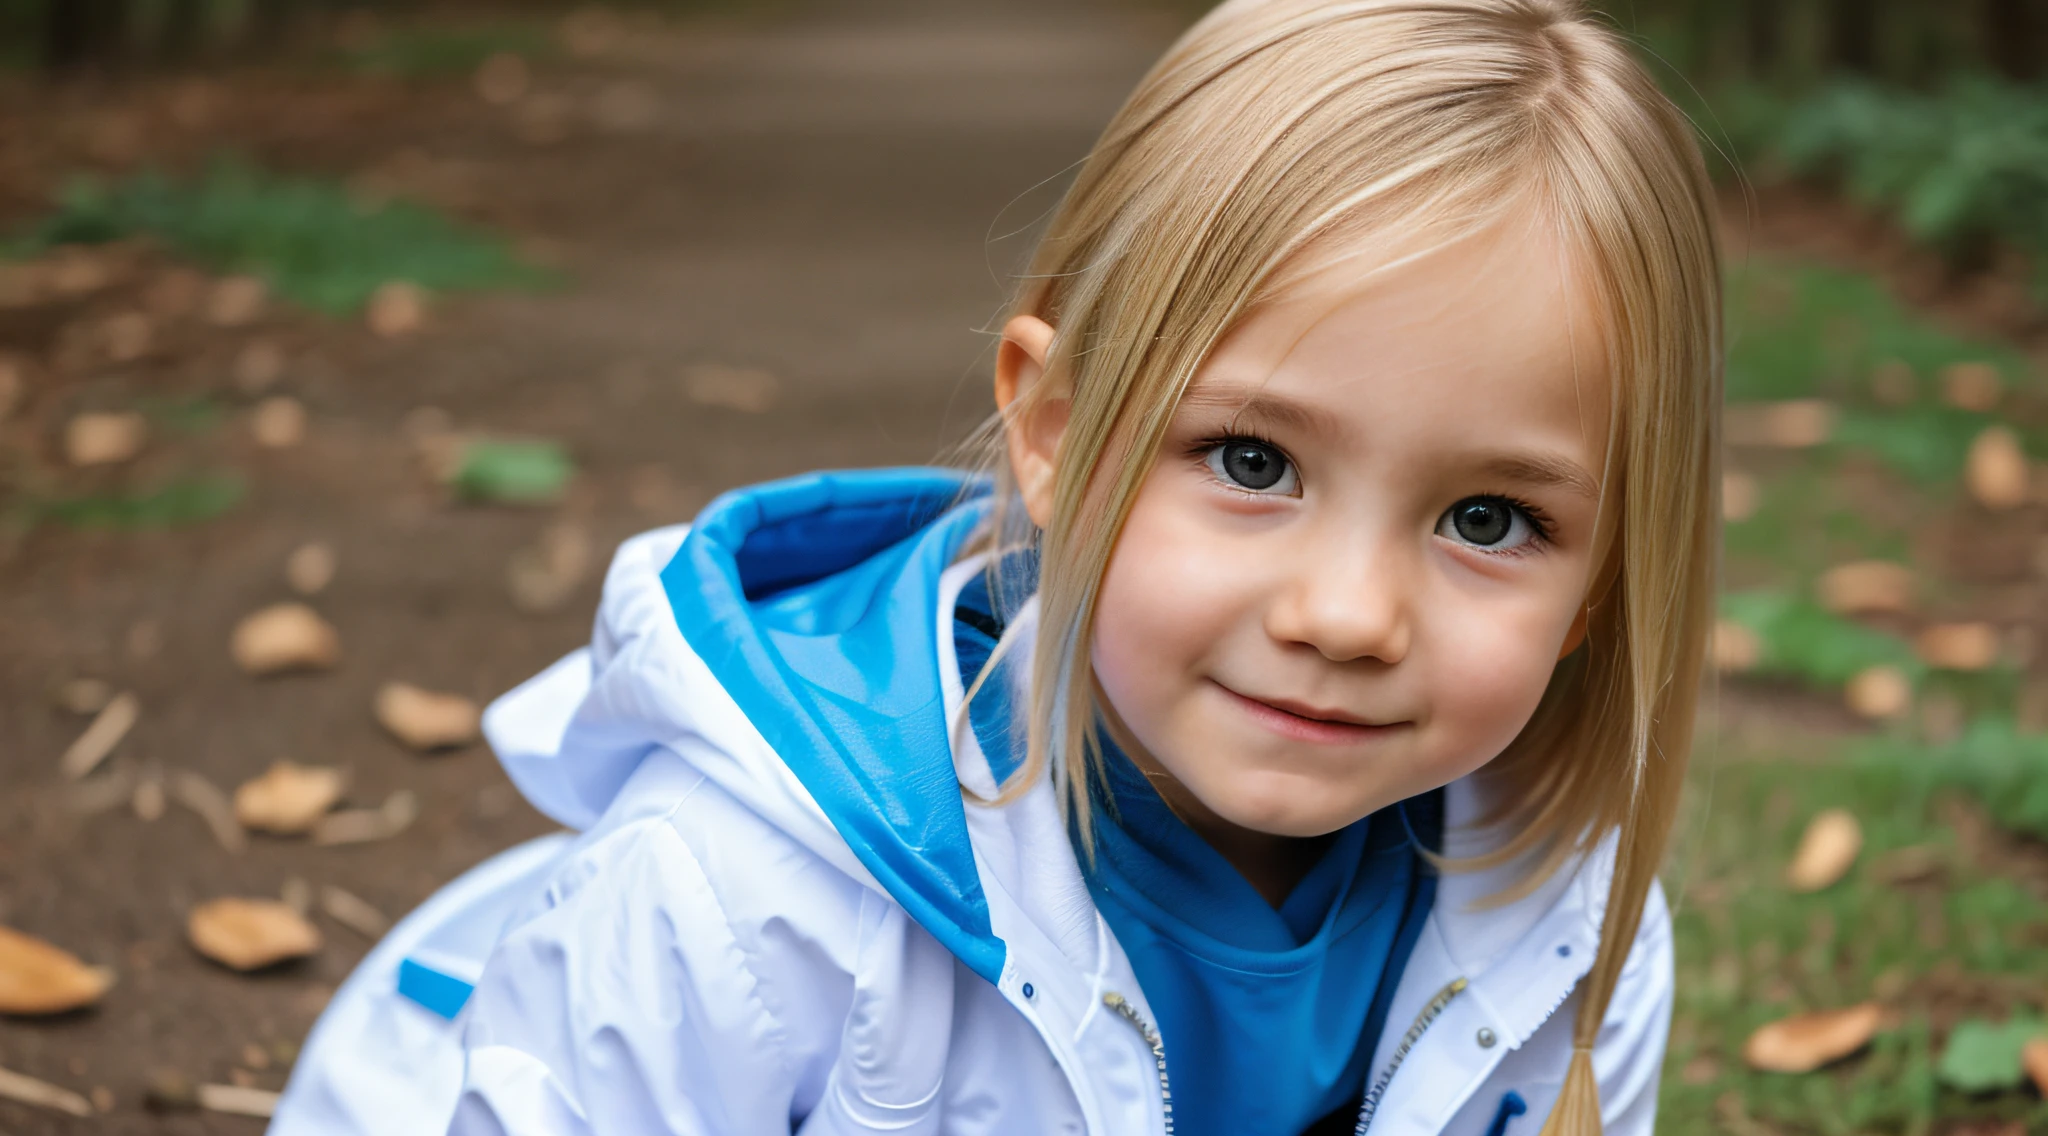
(785, 921)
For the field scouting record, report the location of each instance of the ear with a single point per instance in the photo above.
(1576, 633)
(1033, 418)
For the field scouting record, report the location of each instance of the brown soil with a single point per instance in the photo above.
(812, 195)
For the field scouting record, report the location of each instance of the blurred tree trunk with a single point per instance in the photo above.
(1852, 34)
(2013, 34)
(1763, 36)
(81, 32)
(272, 20)
(184, 27)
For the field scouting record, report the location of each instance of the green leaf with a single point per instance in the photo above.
(1983, 1057)
(518, 471)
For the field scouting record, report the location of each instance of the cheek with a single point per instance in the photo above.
(1161, 609)
(1492, 663)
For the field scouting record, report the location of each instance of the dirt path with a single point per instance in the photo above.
(810, 196)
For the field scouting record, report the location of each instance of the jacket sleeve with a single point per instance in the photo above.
(626, 1004)
(1628, 1056)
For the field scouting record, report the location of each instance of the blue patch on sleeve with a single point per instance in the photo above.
(444, 994)
(1511, 1106)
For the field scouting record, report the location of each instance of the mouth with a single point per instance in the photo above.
(1303, 722)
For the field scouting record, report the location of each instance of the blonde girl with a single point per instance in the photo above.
(1282, 739)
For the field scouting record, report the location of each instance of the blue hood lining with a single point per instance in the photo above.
(814, 602)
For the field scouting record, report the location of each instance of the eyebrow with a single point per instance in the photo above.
(1280, 412)
(1544, 470)
(1263, 407)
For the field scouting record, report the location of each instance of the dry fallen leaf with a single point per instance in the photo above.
(1893, 383)
(543, 577)
(1862, 586)
(127, 336)
(236, 300)
(592, 31)
(248, 934)
(27, 1090)
(85, 695)
(310, 568)
(1996, 469)
(12, 385)
(1791, 424)
(1805, 1042)
(37, 978)
(1971, 386)
(237, 1100)
(396, 308)
(259, 365)
(1832, 841)
(1958, 646)
(1739, 496)
(205, 798)
(104, 439)
(289, 799)
(1736, 648)
(360, 826)
(502, 79)
(278, 422)
(1879, 692)
(2034, 1059)
(100, 738)
(750, 390)
(284, 637)
(425, 719)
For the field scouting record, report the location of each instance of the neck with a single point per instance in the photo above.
(1273, 865)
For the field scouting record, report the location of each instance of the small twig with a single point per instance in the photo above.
(100, 738)
(98, 794)
(237, 1101)
(353, 912)
(147, 802)
(358, 826)
(205, 798)
(27, 1090)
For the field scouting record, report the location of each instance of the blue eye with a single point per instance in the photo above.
(1492, 523)
(1253, 467)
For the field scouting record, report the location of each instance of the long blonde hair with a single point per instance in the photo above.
(1276, 125)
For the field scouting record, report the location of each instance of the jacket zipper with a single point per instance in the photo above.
(1429, 1014)
(1371, 1104)
(1152, 1039)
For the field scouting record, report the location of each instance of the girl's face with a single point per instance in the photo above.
(1366, 541)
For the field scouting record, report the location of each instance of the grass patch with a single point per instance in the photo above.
(1749, 950)
(312, 241)
(1803, 641)
(437, 52)
(183, 501)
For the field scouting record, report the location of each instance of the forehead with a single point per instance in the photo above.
(1393, 340)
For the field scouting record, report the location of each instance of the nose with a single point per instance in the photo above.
(1348, 599)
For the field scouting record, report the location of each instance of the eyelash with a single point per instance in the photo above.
(1198, 452)
(1542, 523)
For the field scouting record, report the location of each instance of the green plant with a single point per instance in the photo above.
(1803, 641)
(513, 470)
(185, 500)
(1963, 167)
(309, 239)
(1750, 950)
(431, 51)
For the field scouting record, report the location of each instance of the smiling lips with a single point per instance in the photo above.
(1307, 723)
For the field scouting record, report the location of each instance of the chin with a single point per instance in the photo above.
(1294, 810)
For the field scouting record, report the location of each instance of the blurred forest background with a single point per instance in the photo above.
(340, 341)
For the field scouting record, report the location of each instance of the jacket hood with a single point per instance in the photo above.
(814, 604)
